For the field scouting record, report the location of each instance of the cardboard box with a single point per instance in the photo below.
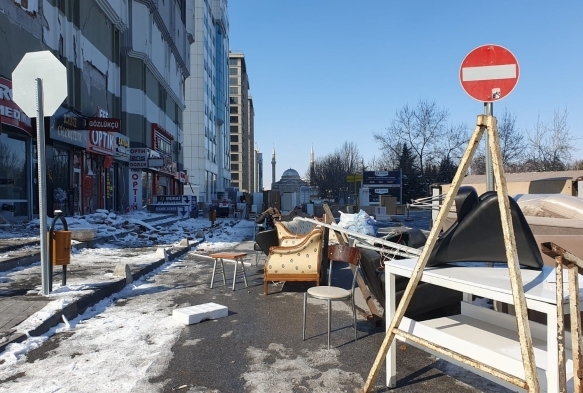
(390, 204)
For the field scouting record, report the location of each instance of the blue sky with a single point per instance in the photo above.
(323, 72)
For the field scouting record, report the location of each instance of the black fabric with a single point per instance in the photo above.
(410, 237)
(477, 235)
(266, 239)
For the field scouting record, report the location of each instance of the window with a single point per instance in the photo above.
(234, 119)
(233, 62)
(234, 176)
(234, 157)
(235, 138)
(235, 148)
(235, 184)
(233, 81)
(233, 100)
(233, 71)
(234, 167)
(234, 109)
(233, 90)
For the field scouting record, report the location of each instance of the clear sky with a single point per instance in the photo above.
(323, 72)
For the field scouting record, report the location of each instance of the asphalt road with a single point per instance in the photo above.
(258, 347)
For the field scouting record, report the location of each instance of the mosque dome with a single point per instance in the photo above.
(290, 174)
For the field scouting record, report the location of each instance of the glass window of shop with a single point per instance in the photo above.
(162, 185)
(147, 188)
(58, 175)
(13, 173)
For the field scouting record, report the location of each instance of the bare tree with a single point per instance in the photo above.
(330, 172)
(550, 145)
(511, 146)
(425, 129)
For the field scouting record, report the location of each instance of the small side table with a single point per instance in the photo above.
(236, 257)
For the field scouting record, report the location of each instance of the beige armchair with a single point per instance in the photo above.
(293, 232)
(298, 262)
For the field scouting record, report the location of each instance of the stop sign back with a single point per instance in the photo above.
(489, 73)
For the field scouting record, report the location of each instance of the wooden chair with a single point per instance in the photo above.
(299, 262)
(336, 253)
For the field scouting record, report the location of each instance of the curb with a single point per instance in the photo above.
(28, 260)
(80, 305)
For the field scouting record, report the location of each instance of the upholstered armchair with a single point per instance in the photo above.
(294, 231)
(296, 262)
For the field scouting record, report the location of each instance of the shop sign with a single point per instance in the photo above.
(382, 177)
(183, 177)
(101, 142)
(68, 127)
(155, 162)
(139, 158)
(10, 112)
(122, 147)
(135, 190)
(103, 124)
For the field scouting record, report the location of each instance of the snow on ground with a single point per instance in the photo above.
(101, 337)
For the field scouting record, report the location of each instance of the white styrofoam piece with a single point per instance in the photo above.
(195, 314)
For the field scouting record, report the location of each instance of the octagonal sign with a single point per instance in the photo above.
(489, 73)
(46, 66)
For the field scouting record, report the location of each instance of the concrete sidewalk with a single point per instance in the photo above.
(20, 299)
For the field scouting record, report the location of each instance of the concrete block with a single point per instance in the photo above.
(184, 243)
(195, 314)
(162, 252)
(123, 270)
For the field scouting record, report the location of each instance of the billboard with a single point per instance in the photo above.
(383, 183)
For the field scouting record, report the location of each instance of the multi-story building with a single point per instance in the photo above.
(126, 64)
(155, 63)
(206, 139)
(241, 125)
(259, 168)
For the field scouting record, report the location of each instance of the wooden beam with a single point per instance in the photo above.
(427, 249)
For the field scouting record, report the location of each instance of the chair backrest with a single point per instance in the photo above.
(341, 253)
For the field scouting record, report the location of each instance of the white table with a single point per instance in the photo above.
(480, 333)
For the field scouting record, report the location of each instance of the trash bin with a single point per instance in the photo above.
(61, 247)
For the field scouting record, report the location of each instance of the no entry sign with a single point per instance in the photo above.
(489, 73)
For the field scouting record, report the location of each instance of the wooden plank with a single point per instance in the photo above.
(481, 124)
(575, 328)
(519, 300)
(560, 325)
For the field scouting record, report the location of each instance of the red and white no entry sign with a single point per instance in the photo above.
(489, 73)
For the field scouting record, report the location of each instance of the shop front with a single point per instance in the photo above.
(105, 163)
(142, 176)
(65, 156)
(16, 180)
(166, 180)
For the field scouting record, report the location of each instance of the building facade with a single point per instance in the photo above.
(240, 117)
(207, 156)
(126, 64)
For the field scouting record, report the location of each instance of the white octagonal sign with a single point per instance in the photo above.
(46, 66)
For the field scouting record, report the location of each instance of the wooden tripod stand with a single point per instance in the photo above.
(530, 382)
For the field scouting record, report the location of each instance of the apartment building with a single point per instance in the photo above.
(241, 120)
(206, 150)
(126, 65)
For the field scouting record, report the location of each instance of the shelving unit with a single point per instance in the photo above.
(482, 334)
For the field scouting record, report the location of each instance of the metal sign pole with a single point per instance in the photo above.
(488, 111)
(42, 188)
